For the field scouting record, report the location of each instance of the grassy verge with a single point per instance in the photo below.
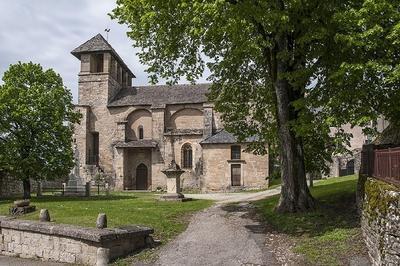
(331, 234)
(167, 218)
(274, 183)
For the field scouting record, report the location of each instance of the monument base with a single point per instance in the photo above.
(174, 197)
(75, 189)
(73, 192)
(15, 211)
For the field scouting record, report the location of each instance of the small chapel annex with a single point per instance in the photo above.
(132, 132)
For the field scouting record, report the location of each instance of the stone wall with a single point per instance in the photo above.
(67, 243)
(217, 168)
(380, 224)
(10, 187)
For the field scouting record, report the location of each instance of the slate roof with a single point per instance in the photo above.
(98, 44)
(160, 95)
(225, 137)
(389, 136)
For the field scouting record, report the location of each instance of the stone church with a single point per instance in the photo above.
(131, 133)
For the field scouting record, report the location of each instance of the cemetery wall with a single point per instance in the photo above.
(10, 187)
(380, 222)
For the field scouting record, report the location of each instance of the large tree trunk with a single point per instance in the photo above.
(27, 188)
(295, 195)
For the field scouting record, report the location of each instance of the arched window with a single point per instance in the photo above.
(140, 130)
(187, 156)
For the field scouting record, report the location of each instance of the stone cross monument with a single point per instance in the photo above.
(75, 185)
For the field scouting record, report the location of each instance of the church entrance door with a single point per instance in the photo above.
(141, 177)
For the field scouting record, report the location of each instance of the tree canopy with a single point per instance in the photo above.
(36, 118)
(284, 70)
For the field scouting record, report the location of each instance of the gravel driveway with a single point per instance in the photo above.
(221, 235)
(13, 261)
(236, 197)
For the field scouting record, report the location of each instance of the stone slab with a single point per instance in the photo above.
(77, 232)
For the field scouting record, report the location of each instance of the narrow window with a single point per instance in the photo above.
(94, 157)
(187, 156)
(141, 134)
(235, 152)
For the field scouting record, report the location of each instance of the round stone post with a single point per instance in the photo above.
(101, 221)
(44, 215)
(103, 257)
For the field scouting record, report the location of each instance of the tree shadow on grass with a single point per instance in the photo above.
(336, 209)
(48, 198)
(329, 235)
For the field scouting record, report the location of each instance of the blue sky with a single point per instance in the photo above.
(46, 31)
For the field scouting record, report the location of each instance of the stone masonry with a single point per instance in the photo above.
(68, 243)
(380, 222)
(132, 133)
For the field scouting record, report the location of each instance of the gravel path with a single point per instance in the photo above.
(236, 197)
(12, 261)
(220, 235)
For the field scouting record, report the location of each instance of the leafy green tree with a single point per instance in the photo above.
(36, 118)
(285, 70)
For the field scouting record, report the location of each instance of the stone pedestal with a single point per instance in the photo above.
(173, 173)
(75, 187)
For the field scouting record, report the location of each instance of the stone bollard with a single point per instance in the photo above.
(87, 189)
(44, 215)
(101, 221)
(103, 257)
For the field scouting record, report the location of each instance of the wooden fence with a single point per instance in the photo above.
(381, 163)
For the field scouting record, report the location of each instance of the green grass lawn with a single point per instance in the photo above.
(167, 218)
(331, 234)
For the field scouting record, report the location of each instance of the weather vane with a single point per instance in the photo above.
(107, 30)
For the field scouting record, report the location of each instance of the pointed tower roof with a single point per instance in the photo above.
(98, 44)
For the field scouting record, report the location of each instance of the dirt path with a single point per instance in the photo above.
(220, 235)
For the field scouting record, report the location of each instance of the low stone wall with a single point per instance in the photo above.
(380, 222)
(68, 243)
(9, 186)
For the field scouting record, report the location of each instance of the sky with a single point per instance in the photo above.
(46, 31)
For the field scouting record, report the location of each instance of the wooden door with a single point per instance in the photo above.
(141, 177)
(236, 174)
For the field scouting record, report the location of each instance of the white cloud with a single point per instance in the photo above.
(46, 31)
